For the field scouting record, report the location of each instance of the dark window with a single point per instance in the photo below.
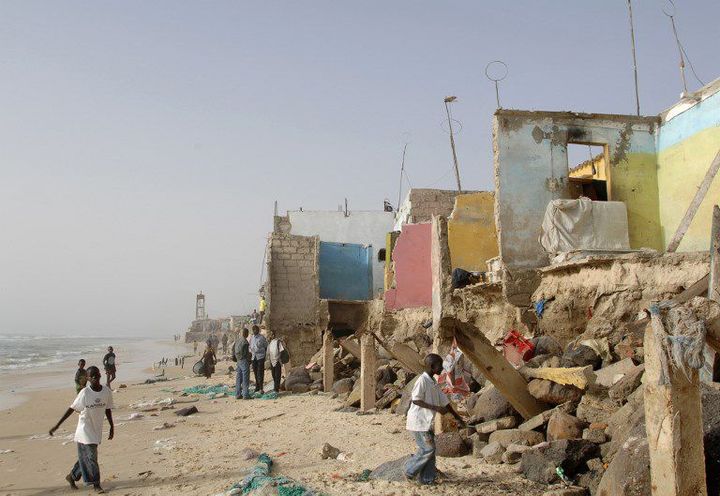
(381, 255)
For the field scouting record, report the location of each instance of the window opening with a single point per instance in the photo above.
(587, 171)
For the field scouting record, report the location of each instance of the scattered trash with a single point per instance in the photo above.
(5, 452)
(272, 395)
(248, 454)
(141, 405)
(187, 411)
(164, 444)
(210, 391)
(164, 425)
(145, 474)
(260, 478)
(135, 416)
(363, 476)
(329, 451)
(122, 386)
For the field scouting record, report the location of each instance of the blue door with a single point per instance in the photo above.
(345, 271)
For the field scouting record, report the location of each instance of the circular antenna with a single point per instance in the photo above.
(457, 126)
(669, 8)
(497, 70)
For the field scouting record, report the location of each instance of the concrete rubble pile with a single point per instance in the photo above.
(591, 435)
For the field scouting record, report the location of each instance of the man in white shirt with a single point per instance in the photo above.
(275, 348)
(258, 347)
(427, 398)
(91, 403)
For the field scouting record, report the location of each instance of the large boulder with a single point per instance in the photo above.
(393, 471)
(552, 392)
(540, 463)
(578, 355)
(620, 391)
(564, 426)
(596, 406)
(491, 404)
(629, 472)
(451, 445)
(492, 453)
(507, 437)
(297, 375)
(343, 386)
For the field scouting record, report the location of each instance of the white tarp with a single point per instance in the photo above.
(584, 224)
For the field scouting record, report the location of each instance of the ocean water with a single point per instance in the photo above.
(18, 353)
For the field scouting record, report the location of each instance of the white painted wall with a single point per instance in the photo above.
(359, 227)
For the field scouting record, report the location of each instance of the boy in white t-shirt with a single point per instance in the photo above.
(92, 402)
(427, 398)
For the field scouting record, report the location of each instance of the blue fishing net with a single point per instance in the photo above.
(260, 478)
(208, 390)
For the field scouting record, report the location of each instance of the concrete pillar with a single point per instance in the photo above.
(328, 361)
(368, 368)
(673, 422)
(441, 281)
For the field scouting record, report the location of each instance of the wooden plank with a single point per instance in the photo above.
(673, 423)
(714, 283)
(695, 204)
(351, 346)
(368, 368)
(409, 358)
(497, 369)
(328, 356)
(580, 377)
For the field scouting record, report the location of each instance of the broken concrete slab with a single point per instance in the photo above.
(492, 453)
(620, 391)
(491, 404)
(393, 471)
(541, 419)
(580, 377)
(451, 445)
(595, 407)
(607, 376)
(552, 393)
(497, 424)
(514, 452)
(629, 472)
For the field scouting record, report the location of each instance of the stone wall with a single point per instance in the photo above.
(292, 293)
(421, 204)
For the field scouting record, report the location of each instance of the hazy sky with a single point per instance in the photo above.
(142, 144)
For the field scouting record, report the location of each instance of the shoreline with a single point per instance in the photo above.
(136, 358)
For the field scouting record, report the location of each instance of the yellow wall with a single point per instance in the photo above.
(681, 169)
(634, 181)
(472, 237)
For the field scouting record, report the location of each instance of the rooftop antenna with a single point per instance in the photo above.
(402, 172)
(669, 10)
(496, 71)
(448, 100)
(635, 69)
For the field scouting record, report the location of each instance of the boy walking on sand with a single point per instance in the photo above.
(109, 364)
(427, 398)
(80, 376)
(91, 402)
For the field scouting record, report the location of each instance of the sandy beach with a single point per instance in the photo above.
(203, 453)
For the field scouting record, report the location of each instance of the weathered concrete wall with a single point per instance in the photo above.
(605, 292)
(472, 236)
(421, 204)
(390, 240)
(688, 140)
(360, 227)
(413, 277)
(293, 293)
(531, 169)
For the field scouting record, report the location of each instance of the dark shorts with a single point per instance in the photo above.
(110, 369)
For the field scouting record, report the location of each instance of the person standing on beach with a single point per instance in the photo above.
(258, 347)
(274, 349)
(209, 359)
(225, 342)
(80, 376)
(241, 352)
(426, 399)
(90, 403)
(195, 347)
(109, 364)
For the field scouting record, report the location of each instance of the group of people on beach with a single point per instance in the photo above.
(250, 353)
(93, 401)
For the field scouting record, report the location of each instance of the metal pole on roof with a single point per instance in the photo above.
(635, 69)
(402, 171)
(448, 100)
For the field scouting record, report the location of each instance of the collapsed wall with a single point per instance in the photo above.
(292, 293)
(600, 293)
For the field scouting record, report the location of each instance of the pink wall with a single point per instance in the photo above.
(413, 275)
